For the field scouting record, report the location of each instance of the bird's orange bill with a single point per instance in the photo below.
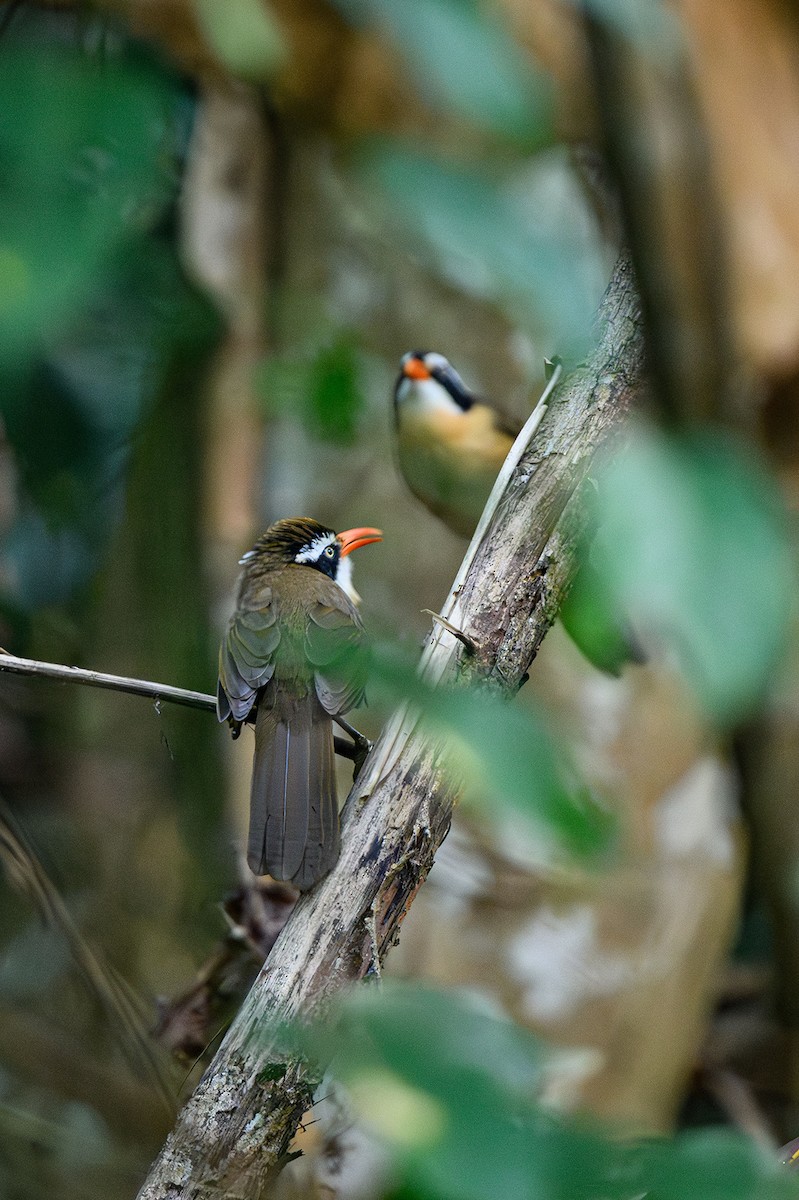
(353, 539)
(414, 368)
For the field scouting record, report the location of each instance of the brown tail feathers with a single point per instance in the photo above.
(294, 828)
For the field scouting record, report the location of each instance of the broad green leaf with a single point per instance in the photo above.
(692, 548)
(442, 1082)
(502, 758)
(479, 234)
(592, 622)
(507, 759)
(422, 1034)
(458, 55)
(49, 565)
(452, 1091)
(716, 1164)
(243, 34)
(95, 383)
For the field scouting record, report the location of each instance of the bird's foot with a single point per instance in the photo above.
(358, 750)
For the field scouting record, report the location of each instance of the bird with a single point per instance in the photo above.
(450, 443)
(293, 659)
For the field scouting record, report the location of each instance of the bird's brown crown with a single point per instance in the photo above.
(287, 538)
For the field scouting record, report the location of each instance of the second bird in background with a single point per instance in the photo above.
(450, 443)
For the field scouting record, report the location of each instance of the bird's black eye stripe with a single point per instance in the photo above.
(453, 386)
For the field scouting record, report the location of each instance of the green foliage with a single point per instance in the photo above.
(321, 387)
(501, 758)
(479, 235)
(692, 549)
(243, 34)
(85, 145)
(593, 625)
(460, 57)
(90, 145)
(452, 1090)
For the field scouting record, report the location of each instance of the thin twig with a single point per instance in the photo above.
(114, 683)
(132, 687)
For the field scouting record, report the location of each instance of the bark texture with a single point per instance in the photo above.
(233, 1134)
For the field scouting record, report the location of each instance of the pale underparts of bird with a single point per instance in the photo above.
(450, 444)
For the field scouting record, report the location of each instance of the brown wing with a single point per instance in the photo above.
(246, 658)
(335, 645)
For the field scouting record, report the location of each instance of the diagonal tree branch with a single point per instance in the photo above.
(234, 1132)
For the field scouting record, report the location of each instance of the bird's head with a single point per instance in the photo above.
(428, 381)
(304, 542)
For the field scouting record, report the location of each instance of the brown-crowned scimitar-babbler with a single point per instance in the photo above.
(292, 660)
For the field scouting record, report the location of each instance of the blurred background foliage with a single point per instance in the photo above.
(222, 224)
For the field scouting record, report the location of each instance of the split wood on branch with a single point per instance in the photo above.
(233, 1135)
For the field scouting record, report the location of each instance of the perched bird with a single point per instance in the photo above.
(292, 660)
(450, 444)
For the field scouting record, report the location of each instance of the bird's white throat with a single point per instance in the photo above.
(420, 396)
(344, 579)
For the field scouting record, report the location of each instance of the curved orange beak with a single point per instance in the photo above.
(414, 368)
(353, 539)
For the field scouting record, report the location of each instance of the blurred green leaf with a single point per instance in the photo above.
(85, 151)
(335, 395)
(442, 1082)
(323, 388)
(460, 56)
(715, 1164)
(423, 1034)
(502, 756)
(48, 564)
(244, 36)
(692, 547)
(593, 624)
(452, 1090)
(481, 237)
(506, 757)
(32, 962)
(71, 416)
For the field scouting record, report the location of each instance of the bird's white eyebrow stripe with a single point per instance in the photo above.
(311, 552)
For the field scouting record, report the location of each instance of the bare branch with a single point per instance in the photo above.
(114, 683)
(234, 1133)
(133, 687)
